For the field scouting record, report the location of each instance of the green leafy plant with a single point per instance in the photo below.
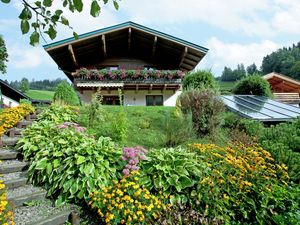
(66, 93)
(253, 85)
(70, 163)
(59, 113)
(43, 17)
(173, 171)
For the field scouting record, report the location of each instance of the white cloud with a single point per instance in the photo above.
(26, 57)
(262, 18)
(287, 16)
(230, 54)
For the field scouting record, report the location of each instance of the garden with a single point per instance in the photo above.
(190, 164)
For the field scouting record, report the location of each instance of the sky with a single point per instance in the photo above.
(234, 31)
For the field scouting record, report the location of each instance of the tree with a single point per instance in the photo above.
(295, 70)
(66, 93)
(3, 55)
(282, 61)
(199, 79)
(253, 85)
(227, 74)
(24, 86)
(46, 17)
(252, 69)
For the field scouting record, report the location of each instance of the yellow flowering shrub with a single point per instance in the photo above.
(6, 216)
(11, 116)
(242, 183)
(126, 202)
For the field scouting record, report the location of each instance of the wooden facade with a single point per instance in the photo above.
(285, 89)
(126, 47)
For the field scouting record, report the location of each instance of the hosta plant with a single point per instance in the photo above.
(70, 163)
(173, 171)
(59, 114)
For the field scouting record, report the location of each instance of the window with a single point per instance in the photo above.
(154, 100)
(111, 100)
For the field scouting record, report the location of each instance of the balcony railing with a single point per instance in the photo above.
(129, 76)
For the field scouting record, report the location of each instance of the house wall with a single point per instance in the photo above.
(131, 98)
(126, 63)
(9, 102)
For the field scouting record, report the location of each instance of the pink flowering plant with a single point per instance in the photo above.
(132, 156)
(71, 124)
(121, 74)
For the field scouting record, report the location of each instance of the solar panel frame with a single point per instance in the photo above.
(260, 108)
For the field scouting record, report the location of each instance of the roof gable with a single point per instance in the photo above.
(124, 26)
(282, 83)
(130, 41)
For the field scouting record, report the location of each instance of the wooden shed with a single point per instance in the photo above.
(284, 88)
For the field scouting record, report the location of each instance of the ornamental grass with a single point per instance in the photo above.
(11, 116)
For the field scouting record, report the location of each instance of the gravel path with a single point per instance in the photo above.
(35, 211)
(24, 190)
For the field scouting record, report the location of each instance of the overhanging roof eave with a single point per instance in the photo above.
(71, 40)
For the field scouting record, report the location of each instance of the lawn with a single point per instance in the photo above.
(40, 94)
(226, 85)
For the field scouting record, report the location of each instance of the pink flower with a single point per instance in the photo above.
(126, 172)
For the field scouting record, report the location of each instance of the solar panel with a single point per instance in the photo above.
(260, 108)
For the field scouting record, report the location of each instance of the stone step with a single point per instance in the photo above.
(11, 166)
(14, 132)
(41, 212)
(10, 141)
(55, 219)
(27, 193)
(24, 123)
(8, 154)
(15, 183)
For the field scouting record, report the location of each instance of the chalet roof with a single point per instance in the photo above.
(125, 40)
(282, 83)
(10, 92)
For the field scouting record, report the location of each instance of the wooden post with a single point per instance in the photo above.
(104, 45)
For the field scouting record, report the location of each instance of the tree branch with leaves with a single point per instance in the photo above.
(42, 19)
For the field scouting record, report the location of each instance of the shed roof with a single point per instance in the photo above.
(129, 40)
(282, 83)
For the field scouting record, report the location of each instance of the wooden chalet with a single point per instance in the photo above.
(10, 97)
(285, 89)
(145, 64)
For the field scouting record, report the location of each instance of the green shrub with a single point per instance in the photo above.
(205, 108)
(59, 114)
(66, 93)
(198, 80)
(283, 142)
(173, 171)
(232, 121)
(67, 161)
(253, 85)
